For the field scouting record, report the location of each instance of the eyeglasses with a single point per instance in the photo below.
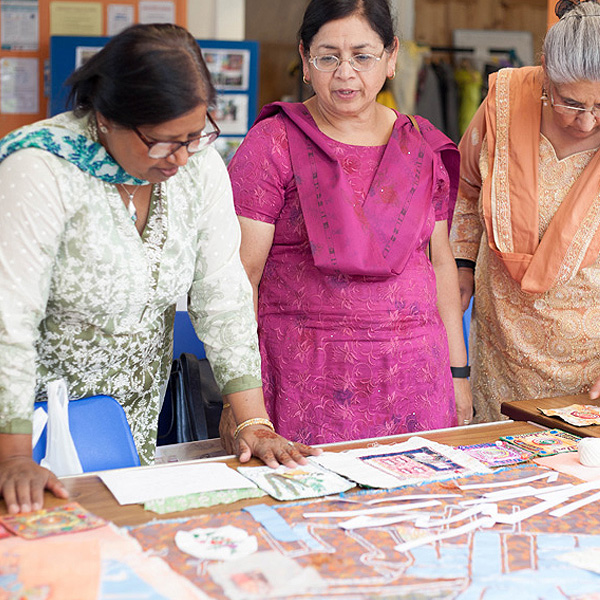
(573, 111)
(164, 149)
(359, 62)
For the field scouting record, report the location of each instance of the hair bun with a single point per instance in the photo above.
(564, 6)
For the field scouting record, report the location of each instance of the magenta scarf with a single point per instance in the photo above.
(375, 239)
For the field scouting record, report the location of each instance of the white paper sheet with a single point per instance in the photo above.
(363, 522)
(19, 93)
(19, 25)
(353, 464)
(515, 493)
(427, 522)
(565, 510)
(396, 508)
(484, 522)
(550, 476)
(138, 485)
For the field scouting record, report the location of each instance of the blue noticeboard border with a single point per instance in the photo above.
(63, 50)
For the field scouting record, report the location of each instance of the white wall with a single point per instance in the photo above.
(217, 19)
(405, 13)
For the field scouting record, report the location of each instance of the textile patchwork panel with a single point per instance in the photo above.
(525, 560)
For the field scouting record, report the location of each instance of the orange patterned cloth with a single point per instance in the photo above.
(527, 344)
(500, 562)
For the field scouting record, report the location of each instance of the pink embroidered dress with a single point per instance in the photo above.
(351, 340)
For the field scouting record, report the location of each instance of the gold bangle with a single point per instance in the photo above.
(249, 422)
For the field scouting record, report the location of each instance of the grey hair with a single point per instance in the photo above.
(571, 49)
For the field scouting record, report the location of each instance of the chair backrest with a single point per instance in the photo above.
(467, 325)
(100, 432)
(185, 338)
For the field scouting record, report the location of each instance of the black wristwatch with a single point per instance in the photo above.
(465, 263)
(460, 372)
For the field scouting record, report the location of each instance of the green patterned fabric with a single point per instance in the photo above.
(201, 500)
(85, 297)
(58, 137)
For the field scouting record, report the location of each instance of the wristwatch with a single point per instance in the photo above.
(464, 263)
(460, 372)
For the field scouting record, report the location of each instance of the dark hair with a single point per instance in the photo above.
(565, 6)
(319, 12)
(145, 75)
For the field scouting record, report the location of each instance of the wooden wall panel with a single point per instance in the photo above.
(274, 23)
(436, 19)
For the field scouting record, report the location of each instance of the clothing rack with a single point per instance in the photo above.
(512, 53)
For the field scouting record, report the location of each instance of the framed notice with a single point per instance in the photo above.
(233, 67)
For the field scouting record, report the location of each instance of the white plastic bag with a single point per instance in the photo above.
(40, 418)
(61, 455)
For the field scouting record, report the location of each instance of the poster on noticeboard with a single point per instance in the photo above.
(229, 68)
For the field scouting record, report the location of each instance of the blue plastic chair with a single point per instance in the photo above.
(185, 338)
(467, 326)
(100, 432)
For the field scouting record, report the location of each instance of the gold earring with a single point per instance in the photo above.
(393, 76)
(306, 81)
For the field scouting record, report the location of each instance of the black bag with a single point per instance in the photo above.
(193, 403)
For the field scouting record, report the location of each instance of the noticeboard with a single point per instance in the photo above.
(233, 66)
(26, 27)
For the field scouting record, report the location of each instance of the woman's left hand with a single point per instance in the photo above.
(272, 449)
(464, 401)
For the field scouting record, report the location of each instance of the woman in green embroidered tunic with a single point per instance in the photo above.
(110, 213)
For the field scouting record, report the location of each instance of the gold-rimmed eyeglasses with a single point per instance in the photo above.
(164, 149)
(573, 111)
(359, 62)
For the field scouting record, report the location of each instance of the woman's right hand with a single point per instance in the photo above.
(22, 484)
(466, 284)
(227, 428)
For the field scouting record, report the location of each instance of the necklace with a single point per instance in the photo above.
(130, 205)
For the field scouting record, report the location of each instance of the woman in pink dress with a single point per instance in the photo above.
(342, 202)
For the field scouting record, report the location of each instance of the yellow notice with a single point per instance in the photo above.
(76, 18)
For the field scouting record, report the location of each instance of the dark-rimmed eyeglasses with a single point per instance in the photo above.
(573, 111)
(164, 149)
(359, 62)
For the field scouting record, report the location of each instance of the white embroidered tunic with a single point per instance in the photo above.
(83, 296)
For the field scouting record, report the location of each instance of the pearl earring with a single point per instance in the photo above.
(544, 97)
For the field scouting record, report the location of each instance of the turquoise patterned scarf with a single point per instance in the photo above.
(68, 137)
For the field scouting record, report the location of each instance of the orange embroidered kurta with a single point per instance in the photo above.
(536, 320)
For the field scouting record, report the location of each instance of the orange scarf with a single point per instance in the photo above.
(510, 192)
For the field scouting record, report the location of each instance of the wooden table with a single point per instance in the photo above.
(528, 410)
(89, 491)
